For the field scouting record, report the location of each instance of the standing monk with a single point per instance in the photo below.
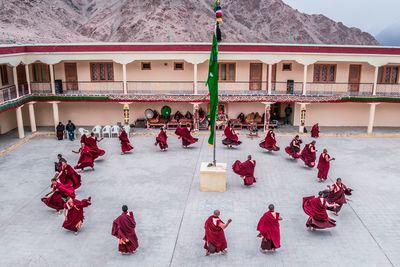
(68, 176)
(315, 131)
(214, 237)
(60, 131)
(73, 212)
(123, 228)
(269, 229)
(85, 158)
(308, 154)
(126, 145)
(294, 148)
(269, 142)
(161, 139)
(56, 197)
(324, 165)
(337, 195)
(245, 170)
(184, 133)
(232, 138)
(315, 208)
(91, 142)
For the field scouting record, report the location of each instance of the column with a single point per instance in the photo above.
(53, 86)
(264, 76)
(55, 113)
(375, 80)
(267, 115)
(20, 123)
(270, 79)
(124, 79)
(371, 119)
(32, 116)
(16, 81)
(195, 116)
(195, 89)
(303, 111)
(28, 78)
(305, 79)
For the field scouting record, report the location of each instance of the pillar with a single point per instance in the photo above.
(270, 79)
(55, 113)
(32, 116)
(28, 79)
(195, 116)
(267, 115)
(372, 109)
(16, 81)
(20, 123)
(303, 111)
(375, 80)
(264, 76)
(305, 79)
(195, 88)
(53, 85)
(124, 79)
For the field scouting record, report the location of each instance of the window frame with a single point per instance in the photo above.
(142, 65)
(219, 72)
(4, 75)
(183, 66)
(329, 65)
(38, 70)
(106, 74)
(381, 74)
(287, 64)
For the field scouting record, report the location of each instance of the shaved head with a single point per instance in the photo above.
(217, 213)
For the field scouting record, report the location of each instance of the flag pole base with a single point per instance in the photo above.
(213, 178)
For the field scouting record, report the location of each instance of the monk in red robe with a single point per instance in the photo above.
(55, 199)
(337, 195)
(308, 154)
(85, 158)
(161, 139)
(57, 165)
(315, 208)
(68, 176)
(324, 165)
(91, 142)
(269, 142)
(184, 134)
(126, 145)
(74, 216)
(315, 131)
(269, 229)
(214, 237)
(294, 148)
(123, 228)
(232, 138)
(245, 170)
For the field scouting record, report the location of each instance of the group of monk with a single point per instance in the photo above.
(88, 152)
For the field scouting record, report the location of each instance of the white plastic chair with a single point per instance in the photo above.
(97, 130)
(83, 131)
(106, 130)
(127, 129)
(115, 130)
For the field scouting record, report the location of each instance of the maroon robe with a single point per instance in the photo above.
(323, 166)
(214, 237)
(319, 218)
(69, 176)
(54, 199)
(85, 159)
(75, 216)
(187, 138)
(232, 139)
(96, 152)
(269, 142)
(246, 170)
(293, 149)
(161, 140)
(269, 229)
(124, 229)
(315, 131)
(338, 195)
(309, 156)
(126, 145)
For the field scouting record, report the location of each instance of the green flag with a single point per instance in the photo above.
(212, 83)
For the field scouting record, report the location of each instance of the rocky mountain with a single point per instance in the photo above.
(390, 35)
(253, 21)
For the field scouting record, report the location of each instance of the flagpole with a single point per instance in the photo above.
(215, 145)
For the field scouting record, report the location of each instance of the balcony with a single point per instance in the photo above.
(236, 88)
(160, 88)
(8, 93)
(92, 88)
(41, 87)
(388, 89)
(287, 88)
(345, 89)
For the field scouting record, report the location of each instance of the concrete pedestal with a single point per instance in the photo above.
(213, 179)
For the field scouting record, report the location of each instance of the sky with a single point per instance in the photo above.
(369, 15)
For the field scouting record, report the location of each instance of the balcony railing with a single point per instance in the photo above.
(159, 87)
(7, 93)
(388, 89)
(287, 88)
(353, 89)
(92, 87)
(41, 87)
(23, 89)
(236, 88)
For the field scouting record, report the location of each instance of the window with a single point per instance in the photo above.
(146, 66)
(324, 73)
(287, 67)
(388, 74)
(102, 71)
(41, 73)
(4, 74)
(178, 66)
(227, 72)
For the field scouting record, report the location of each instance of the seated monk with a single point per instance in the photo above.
(324, 165)
(161, 139)
(55, 199)
(184, 134)
(126, 145)
(60, 131)
(85, 158)
(250, 118)
(269, 142)
(315, 131)
(68, 176)
(269, 229)
(214, 237)
(91, 142)
(337, 195)
(315, 208)
(257, 118)
(308, 154)
(242, 118)
(73, 212)
(232, 138)
(245, 170)
(123, 228)
(294, 148)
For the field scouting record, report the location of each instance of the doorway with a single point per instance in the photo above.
(354, 78)
(71, 76)
(255, 76)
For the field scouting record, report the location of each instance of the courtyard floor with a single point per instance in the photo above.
(162, 189)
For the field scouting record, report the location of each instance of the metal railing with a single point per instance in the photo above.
(236, 88)
(88, 88)
(388, 89)
(160, 87)
(352, 89)
(286, 88)
(41, 87)
(8, 93)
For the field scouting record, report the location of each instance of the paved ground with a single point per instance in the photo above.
(162, 190)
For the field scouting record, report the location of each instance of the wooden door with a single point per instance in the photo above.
(21, 77)
(255, 76)
(354, 78)
(71, 76)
